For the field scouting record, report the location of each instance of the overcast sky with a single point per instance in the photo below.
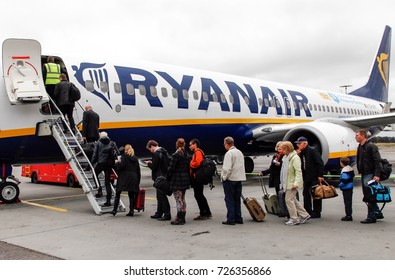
(316, 43)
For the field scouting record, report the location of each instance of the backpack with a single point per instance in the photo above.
(110, 153)
(74, 93)
(386, 169)
(206, 171)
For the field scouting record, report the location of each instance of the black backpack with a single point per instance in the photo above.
(110, 153)
(206, 171)
(386, 169)
(74, 93)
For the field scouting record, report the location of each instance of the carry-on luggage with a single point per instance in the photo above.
(270, 200)
(139, 200)
(283, 210)
(254, 208)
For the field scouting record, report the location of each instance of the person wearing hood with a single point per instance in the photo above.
(129, 177)
(346, 185)
(103, 160)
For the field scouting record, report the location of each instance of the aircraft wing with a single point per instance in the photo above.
(373, 120)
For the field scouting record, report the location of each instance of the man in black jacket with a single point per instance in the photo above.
(158, 165)
(368, 165)
(313, 172)
(90, 125)
(62, 99)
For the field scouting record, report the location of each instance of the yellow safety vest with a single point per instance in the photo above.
(53, 73)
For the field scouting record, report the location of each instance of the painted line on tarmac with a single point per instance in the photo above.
(31, 202)
(45, 206)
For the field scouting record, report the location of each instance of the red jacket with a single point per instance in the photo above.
(197, 159)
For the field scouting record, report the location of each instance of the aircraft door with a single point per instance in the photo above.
(22, 71)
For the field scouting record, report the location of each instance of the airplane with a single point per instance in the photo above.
(139, 101)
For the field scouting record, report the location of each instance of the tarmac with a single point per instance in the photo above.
(56, 222)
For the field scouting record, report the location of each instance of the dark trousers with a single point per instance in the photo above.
(163, 207)
(232, 190)
(107, 171)
(373, 208)
(131, 196)
(201, 199)
(347, 198)
(311, 205)
(67, 110)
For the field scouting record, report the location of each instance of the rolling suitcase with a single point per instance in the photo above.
(270, 200)
(139, 200)
(283, 210)
(254, 208)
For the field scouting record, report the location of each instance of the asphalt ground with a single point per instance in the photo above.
(57, 222)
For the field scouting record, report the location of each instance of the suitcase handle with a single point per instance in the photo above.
(264, 190)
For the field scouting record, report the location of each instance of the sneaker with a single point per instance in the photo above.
(292, 223)
(305, 219)
(347, 218)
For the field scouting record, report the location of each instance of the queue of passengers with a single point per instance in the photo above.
(294, 170)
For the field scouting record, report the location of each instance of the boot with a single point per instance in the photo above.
(116, 204)
(131, 209)
(180, 220)
(108, 202)
(99, 193)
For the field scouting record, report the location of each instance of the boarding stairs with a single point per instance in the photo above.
(70, 145)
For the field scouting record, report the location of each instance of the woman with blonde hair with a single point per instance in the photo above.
(291, 180)
(178, 174)
(129, 177)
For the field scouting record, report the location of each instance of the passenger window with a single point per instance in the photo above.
(231, 99)
(89, 85)
(117, 88)
(103, 86)
(215, 97)
(260, 102)
(142, 90)
(174, 92)
(205, 96)
(272, 103)
(315, 107)
(266, 101)
(195, 95)
(311, 107)
(323, 108)
(130, 89)
(153, 90)
(223, 99)
(247, 100)
(164, 92)
(288, 104)
(185, 94)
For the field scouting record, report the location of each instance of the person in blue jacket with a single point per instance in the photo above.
(346, 185)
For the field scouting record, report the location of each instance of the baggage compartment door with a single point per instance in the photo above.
(22, 71)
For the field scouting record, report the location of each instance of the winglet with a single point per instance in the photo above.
(377, 85)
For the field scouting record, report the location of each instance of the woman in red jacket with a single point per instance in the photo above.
(197, 158)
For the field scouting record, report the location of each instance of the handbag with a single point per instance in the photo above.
(323, 191)
(376, 193)
(163, 185)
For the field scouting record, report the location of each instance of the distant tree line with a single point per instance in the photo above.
(385, 139)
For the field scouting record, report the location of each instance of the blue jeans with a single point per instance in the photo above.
(232, 190)
(373, 208)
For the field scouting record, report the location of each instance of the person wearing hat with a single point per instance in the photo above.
(313, 172)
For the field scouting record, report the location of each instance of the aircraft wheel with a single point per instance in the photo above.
(9, 192)
(34, 178)
(248, 164)
(71, 182)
